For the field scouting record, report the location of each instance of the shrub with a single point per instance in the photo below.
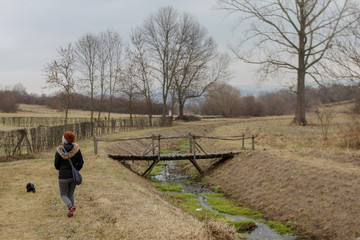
(8, 102)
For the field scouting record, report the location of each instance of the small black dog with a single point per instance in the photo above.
(30, 187)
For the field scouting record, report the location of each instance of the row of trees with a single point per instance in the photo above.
(170, 55)
(225, 100)
(220, 99)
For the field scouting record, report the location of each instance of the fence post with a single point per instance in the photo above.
(153, 144)
(253, 142)
(243, 141)
(194, 146)
(159, 136)
(95, 145)
(190, 142)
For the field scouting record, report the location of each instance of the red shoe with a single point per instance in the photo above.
(72, 209)
(70, 214)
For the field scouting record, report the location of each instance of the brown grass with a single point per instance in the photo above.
(112, 203)
(293, 175)
(28, 110)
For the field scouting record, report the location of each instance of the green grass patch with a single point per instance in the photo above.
(279, 227)
(183, 146)
(188, 202)
(156, 170)
(167, 151)
(243, 225)
(230, 206)
(167, 187)
(216, 188)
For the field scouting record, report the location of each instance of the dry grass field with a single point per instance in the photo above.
(294, 175)
(26, 110)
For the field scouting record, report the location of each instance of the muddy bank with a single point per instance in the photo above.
(321, 198)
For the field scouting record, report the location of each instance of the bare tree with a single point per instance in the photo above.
(102, 58)
(196, 70)
(324, 116)
(290, 36)
(60, 74)
(159, 32)
(222, 99)
(86, 53)
(138, 55)
(128, 87)
(116, 52)
(180, 54)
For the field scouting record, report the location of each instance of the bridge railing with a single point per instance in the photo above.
(193, 145)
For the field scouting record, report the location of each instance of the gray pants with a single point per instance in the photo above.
(67, 188)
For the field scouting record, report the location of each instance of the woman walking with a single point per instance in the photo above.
(68, 150)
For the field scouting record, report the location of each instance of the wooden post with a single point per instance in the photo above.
(194, 156)
(159, 149)
(153, 144)
(95, 145)
(194, 147)
(148, 171)
(190, 143)
(243, 141)
(253, 142)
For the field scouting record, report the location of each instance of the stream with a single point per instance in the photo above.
(170, 174)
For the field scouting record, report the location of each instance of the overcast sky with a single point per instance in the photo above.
(32, 30)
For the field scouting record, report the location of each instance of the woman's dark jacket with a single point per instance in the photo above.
(61, 159)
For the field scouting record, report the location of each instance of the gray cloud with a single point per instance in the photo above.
(32, 30)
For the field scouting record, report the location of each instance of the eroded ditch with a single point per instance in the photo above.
(172, 173)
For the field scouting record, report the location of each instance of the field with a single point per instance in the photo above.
(294, 175)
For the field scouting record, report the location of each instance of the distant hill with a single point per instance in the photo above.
(253, 90)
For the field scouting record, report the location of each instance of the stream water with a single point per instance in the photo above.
(171, 174)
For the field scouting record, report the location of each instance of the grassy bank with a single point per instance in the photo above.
(294, 175)
(112, 203)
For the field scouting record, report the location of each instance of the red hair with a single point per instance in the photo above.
(69, 136)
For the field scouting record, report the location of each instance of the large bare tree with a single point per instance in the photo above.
(290, 36)
(180, 55)
(86, 52)
(59, 74)
(197, 58)
(160, 32)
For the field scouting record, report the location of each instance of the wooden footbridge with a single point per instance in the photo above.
(153, 150)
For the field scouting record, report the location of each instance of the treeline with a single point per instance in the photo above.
(120, 104)
(11, 97)
(221, 99)
(225, 100)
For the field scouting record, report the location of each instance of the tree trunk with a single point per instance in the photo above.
(67, 108)
(164, 111)
(300, 118)
(92, 113)
(181, 111)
